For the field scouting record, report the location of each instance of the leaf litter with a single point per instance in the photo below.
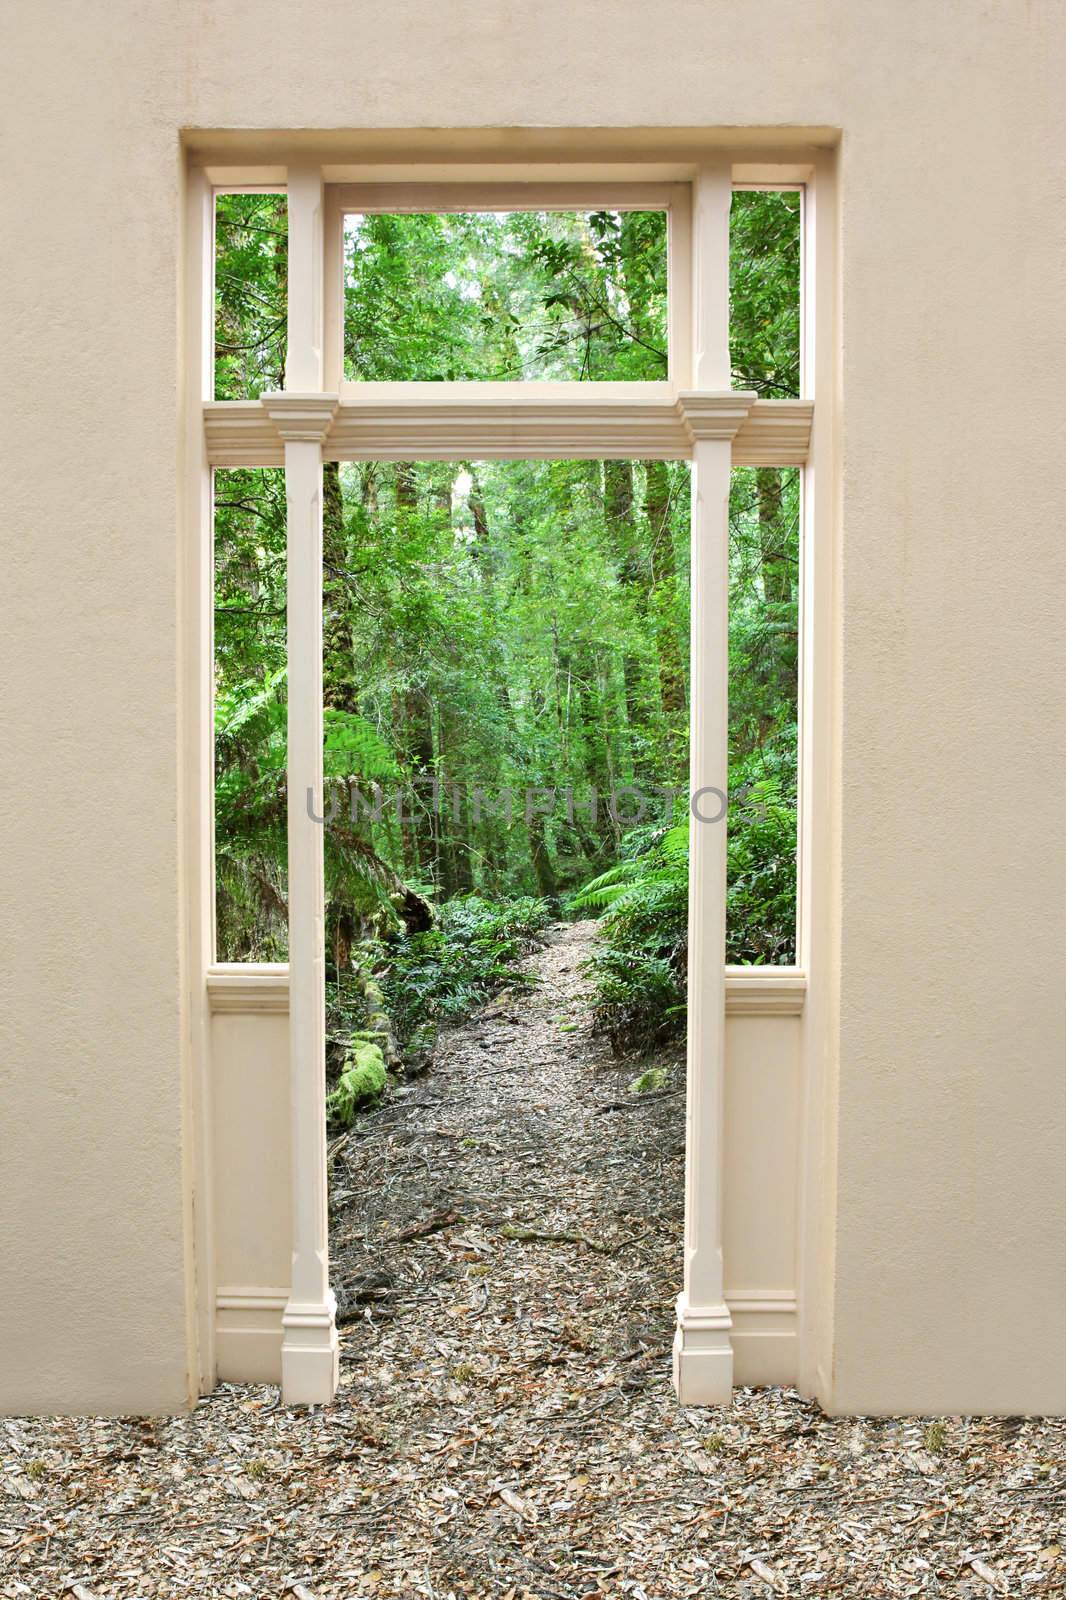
(506, 1243)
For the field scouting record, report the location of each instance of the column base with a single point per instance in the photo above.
(310, 1353)
(703, 1355)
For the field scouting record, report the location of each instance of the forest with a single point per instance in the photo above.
(505, 661)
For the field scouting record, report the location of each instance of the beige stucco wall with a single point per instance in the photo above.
(949, 1254)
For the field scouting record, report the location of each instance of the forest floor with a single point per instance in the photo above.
(506, 1239)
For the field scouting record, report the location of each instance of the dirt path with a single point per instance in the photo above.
(505, 1428)
(511, 1134)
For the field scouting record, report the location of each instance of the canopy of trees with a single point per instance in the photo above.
(506, 295)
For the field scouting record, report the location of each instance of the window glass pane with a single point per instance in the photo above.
(251, 267)
(764, 281)
(251, 913)
(505, 296)
(764, 527)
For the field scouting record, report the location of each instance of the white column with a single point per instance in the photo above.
(309, 1354)
(302, 416)
(703, 1353)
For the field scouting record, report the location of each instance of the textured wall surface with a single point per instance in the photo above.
(950, 1271)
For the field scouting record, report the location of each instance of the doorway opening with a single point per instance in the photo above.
(514, 784)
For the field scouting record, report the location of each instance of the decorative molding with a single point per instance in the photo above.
(301, 418)
(310, 1351)
(254, 1300)
(716, 415)
(250, 989)
(465, 194)
(764, 992)
(263, 1337)
(703, 1354)
(703, 1319)
(761, 1303)
(388, 425)
(578, 425)
(775, 433)
(239, 433)
(248, 1332)
(765, 1335)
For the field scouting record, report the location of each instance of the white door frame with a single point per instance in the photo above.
(694, 415)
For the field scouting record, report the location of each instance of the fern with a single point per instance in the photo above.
(354, 748)
(606, 889)
(245, 703)
(473, 951)
(639, 968)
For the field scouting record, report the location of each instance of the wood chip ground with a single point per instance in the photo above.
(506, 1251)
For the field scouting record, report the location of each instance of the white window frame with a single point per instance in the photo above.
(692, 414)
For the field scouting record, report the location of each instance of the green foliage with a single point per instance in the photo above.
(639, 968)
(649, 1082)
(659, 861)
(935, 1436)
(472, 951)
(353, 746)
(505, 626)
(251, 271)
(362, 1079)
(761, 851)
(764, 524)
(250, 714)
(487, 295)
(250, 740)
(764, 305)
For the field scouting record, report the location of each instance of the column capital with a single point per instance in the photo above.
(301, 418)
(714, 415)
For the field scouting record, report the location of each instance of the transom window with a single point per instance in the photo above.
(505, 295)
(534, 284)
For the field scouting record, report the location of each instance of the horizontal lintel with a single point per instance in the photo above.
(391, 426)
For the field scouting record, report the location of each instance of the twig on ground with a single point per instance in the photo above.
(638, 1101)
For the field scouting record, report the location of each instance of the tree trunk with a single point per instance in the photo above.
(547, 887)
(773, 552)
(338, 688)
(406, 486)
(378, 1021)
(422, 768)
(668, 638)
(633, 574)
